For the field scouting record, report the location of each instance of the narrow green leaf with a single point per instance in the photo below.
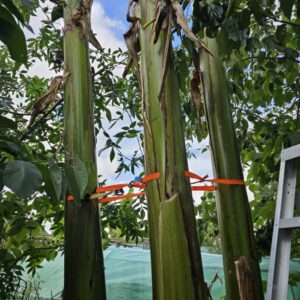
(22, 177)
(112, 154)
(7, 123)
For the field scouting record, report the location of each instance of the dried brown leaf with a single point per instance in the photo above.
(128, 67)
(161, 16)
(182, 22)
(133, 44)
(197, 97)
(47, 99)
(132, 38)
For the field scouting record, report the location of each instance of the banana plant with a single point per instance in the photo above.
(84, 268)
(175, 251)
(240, 257)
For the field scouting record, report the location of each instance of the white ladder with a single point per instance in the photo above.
(284, 223)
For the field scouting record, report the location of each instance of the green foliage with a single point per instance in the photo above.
(125, 221)
(10, 32)
(207, 222)
(22, 177)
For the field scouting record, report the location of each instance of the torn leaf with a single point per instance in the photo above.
(47, 99)
(182, 22)
(132, 41)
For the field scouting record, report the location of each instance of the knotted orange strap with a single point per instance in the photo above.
(212, 187)
(194, 176)
(140, 183)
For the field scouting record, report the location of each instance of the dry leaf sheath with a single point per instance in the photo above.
(49, 98)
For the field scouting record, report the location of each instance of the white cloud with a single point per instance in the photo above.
(105, 28)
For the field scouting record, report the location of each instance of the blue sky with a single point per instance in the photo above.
(116, 10)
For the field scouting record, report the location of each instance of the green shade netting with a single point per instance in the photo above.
(128, 275)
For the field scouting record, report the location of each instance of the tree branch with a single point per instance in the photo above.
(249, 112)
(282, 21)
(41, 120)
(14, 112)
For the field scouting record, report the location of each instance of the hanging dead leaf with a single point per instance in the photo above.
(131, 13)
(132, 41)
(182, 22)
(133, 44)
(197, 91)
(196, 94)
(47, 99)
(128, 67)
(161, 17)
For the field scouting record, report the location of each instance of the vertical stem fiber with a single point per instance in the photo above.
(84, 269)
(234, 215)
(175, 251)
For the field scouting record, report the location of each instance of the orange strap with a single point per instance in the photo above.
(110, 188)
(228, 181)
(204, 188)
(113, 198)
(211, 188)
(153, 176)
(195, 176)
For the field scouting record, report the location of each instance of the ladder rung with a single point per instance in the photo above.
(290, 223)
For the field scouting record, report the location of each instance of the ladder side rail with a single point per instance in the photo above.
(275, 232)
(281, 245)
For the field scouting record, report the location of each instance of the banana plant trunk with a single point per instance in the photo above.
(175, 251)
(84, 269)
(234, 216)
